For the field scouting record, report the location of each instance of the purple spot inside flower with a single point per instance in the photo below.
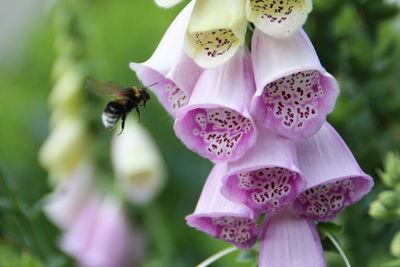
(325, 202)
(267, 190)
(218, 133)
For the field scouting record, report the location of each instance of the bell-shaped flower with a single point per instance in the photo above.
(334, 179)
(139, 169)
(216, 30)
(65, 203)
(294, 92)
(102, 236)
(216, 122)
(266, 178)
(167, 3)
(287, 240)
(278, 18)
(170, 72)
(221, 218)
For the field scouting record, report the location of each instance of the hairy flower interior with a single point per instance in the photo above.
(268, 190)
(235, 230)
(293, 100)
(276, 11)
(214, 43)
(324, 202)
(219, 130)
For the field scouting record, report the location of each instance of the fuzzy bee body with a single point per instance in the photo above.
(126, 100)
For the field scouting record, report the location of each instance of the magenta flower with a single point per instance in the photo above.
(294, 92)
(266, 178)
(216, 122)
(169, 65)
(221, 218)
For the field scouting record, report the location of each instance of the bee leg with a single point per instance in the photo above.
(122, 124)
(138, 112)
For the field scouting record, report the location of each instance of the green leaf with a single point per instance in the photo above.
(328, 227)
(10, 256)
(394, 263)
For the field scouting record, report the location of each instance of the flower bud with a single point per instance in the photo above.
(395, 245)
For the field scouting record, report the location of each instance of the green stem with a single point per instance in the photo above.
(217, 256)
(336, 244)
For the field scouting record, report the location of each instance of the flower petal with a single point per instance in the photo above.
(294, 93)
(287, 240)
(139, 169)
(221, 218)
(266, 178)
(334, 179)
(216, 123)
(278, 18)
(216, 30)
(167, 3)
(169, 66)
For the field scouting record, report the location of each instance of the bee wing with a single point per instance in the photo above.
(105, 89)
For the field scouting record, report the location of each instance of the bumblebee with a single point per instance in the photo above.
(126, 99)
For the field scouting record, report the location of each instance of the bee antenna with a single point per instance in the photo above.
(146, 87)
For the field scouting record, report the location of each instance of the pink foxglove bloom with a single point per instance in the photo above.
(216, 122)
(169, 70)
(221, 218)
(138, 166)
(102, 236)
(266, 178)
(287, 240)
(278, 18)
(167, 3)
(216, 30)
(294, 92)
(334, 179)
(65, 203)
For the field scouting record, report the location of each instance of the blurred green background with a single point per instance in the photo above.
(358, 41)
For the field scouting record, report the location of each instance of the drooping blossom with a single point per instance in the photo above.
(216, 122)
(65, 202)
(278, 19)
(167, 3)
(334, 181)
(221, 218)
(216, 31)
(287, 240)
(139, 169)
(266, 178)
(167, 69)
(101, 235)
(294, 92)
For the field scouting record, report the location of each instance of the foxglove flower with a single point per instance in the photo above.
(294, 92)
(266, 178)
(278, 18)
(102, 237)
(167, 69)
(334, 179)
(65, 203)
(216, 30)
(139, 170)
(216, 123)
(287, 240)
(221, 218)
(167, 3)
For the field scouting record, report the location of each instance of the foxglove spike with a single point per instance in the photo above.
(294, 92)
(221, 218)
(169, 66)
(216, 123)
(287, 240)
(216, 30)
(334, 179)
(266, 178)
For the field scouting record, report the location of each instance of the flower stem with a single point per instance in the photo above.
(336, 244)
(217, 256)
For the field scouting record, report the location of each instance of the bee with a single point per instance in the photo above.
(126, 99)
